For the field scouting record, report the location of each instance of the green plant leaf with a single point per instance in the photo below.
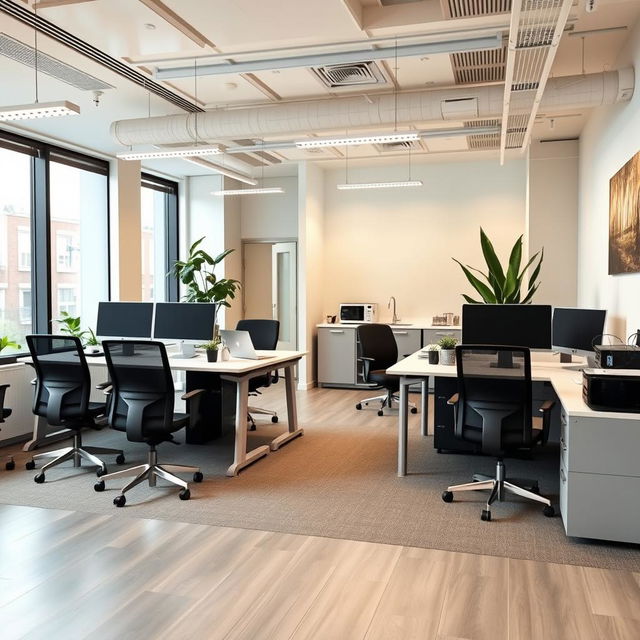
(193, 247)
(536, 271)
(532, 290)
(469, 299)
(478, 285)
(493, 263)
(511, 280)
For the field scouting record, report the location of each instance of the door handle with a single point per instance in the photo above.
(336, 331)
(400, 333)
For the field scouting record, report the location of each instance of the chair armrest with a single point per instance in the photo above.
(104, 385)
(34, 381)
(366, 362)
(547, 405)
(454, 399)
(192, 394)
(3, 390)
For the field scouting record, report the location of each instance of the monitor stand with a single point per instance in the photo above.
(187, 350)
(565, 358)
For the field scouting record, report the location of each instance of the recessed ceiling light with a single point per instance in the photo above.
(150, 26)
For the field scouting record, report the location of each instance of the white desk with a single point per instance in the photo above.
(239, 371)
(600, 451)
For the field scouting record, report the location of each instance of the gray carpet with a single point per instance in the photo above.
(338, 480)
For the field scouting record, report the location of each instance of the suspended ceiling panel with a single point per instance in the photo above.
(423, 72)
(218, 90)
(457, 143)
(293, 83)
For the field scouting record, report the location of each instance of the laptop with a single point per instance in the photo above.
(240, 345)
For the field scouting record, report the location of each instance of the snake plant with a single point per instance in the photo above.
(503, 286)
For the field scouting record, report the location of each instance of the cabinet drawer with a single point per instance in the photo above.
(432, 336)
(336, 356)
(408, 341)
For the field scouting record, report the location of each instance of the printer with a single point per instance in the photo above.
(612, 389)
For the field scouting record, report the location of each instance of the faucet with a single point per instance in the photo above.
(395, 318)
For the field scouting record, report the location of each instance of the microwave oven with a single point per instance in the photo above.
(358, 312)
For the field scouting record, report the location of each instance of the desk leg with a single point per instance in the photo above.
(403, 427)
(424, 406)
(292, 411)
(42, 436)
(242, 457)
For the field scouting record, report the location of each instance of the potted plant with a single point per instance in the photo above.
(71, 325)
(91, 344)
(447, 350)
(6, 343)
(201, 281)
(211, 348)
(434, 353)
(503, 285)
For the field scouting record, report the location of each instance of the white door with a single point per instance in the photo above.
(284, 292)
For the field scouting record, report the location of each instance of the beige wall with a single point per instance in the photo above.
(553, 219)
(399, 242)
(271, 216)
(256, 281)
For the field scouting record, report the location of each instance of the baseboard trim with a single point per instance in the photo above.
(305, 386)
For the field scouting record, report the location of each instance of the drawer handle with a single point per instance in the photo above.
(562, 476)
(400, 333)
(336, 330)
(563, 444)
(443, 333)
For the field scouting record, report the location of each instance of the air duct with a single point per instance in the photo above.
(354, 113)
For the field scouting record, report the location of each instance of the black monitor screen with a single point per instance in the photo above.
(184, 321)
(514, 325)
(125, 319)
(576, 329)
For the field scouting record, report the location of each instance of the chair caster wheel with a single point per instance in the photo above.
(39, 479)
(549, 511)
(185, 494)
(120, 458)
(274, 419)
(119, 501)
(99, 486)
(381, 412)
(10, 465)
(359, 407)
(252, 427)
(30, 465)
(102, 471)
(414, 409)
(486, 515)
(197, 476)
(447, 496)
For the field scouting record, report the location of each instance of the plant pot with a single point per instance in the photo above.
(447, 356)
(434, 357)
(212, 355)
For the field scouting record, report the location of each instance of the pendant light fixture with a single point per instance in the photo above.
(394, 137)
(196, 150)
(37, 109)
(252, 191)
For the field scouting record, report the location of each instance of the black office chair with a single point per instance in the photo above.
(63, 387)
(5, 412)
(493, 409)
(142, 403)
(379, 351)
(264, 335)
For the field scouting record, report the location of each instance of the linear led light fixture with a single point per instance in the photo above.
(171, 153)
(39, 110)
(345, 142)
(379, 185)
(247, 192)
(230, 173)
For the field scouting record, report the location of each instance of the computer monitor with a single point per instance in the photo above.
(124, 319)
(189, 322)
(575, 331)
(514, 325)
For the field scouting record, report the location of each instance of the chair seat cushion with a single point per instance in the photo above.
(382, 379)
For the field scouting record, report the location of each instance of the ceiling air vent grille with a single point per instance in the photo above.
(474, 67)
(477, 124)
(525, 86)
(350, 75)
(53, 67)
(484, 141)
(404, 145)
(470, 8)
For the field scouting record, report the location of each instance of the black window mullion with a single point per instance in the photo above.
(172, 244)
(41, 245)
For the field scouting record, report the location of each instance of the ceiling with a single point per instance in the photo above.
(152, 35)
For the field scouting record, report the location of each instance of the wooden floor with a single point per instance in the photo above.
(67, 574)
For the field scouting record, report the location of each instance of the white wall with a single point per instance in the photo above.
(271, 216)
(610, 138)
(399, 242)
(552, 220)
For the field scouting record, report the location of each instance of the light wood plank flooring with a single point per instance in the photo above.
(67, 574)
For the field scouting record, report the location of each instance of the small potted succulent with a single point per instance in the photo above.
(434, 353)
(447, 350)
(211, 348)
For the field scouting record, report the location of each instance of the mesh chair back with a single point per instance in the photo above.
(264, 333)
(494, 386)
(378, 342)
(63, 383)
(143, 392)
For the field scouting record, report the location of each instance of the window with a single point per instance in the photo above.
(68, 252)
(159, 231)
(25, 310)
(24, 249)
(3, 302)
(67, 300)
